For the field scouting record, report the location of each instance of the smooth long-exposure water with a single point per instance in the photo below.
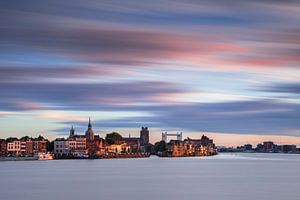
(225, 176)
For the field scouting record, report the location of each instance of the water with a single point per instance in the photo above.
(225, 177)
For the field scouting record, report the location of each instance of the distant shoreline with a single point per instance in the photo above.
(98, 158)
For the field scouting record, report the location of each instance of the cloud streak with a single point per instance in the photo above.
(77, 96)
(193, 65)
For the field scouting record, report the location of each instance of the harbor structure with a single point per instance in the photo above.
(164, 136)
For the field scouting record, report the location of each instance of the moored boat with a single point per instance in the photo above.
(45, 156)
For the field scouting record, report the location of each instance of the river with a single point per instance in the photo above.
(225, 176)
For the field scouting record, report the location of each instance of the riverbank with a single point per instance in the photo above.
(109, 156)
(18, 158)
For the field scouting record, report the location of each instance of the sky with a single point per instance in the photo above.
(228, 69)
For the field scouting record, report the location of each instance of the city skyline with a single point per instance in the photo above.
(172, 136)
(228, 70)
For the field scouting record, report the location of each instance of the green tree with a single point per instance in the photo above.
(113, 138)
(50, 146)
(160, 146)
(149, 148)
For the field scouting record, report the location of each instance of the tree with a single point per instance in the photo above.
(113, 138)
(149, 148)
(160, 146)
(50, 146)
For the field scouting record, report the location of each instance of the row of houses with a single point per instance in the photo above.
(25, 146)
(271, 147)
(90, 144)
(81, 147)
(74, 145)
(191, 147)
(78, 146)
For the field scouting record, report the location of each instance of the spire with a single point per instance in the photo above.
(72, 131)
(89, 134)
(90, 124)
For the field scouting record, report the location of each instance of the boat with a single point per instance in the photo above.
(45, 156)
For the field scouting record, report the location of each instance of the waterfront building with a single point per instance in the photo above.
(33, 146)
(133, 142)
(268, 147)
(13, 146)
(89, 143)
(77, 145)
(3, 147)
(288, 148)
(259, 147)
(36, 146)
(191, 147)
(176, 148)
(117, 149)
(25, 146)
(61, 147)
(99, 145)
(23, 142)
(203, 147)
(95, 146)
(30, 147)
(40, 145)
(138, 144)
(247, 147)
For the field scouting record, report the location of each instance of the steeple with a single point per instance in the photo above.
(89, 134)
(72, 131)
(90, 124)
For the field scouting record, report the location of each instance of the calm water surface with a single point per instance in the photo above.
(225, 177)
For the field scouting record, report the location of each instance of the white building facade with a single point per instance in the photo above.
(61, 147)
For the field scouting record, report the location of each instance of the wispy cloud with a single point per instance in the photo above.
(230, 67)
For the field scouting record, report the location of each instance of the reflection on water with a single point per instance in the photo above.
(225, 176)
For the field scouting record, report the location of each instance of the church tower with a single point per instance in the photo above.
(144, 136)
(72, 132)
(89, 134)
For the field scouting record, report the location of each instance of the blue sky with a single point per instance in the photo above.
(229, 69)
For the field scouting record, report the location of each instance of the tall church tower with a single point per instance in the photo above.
(72, 132)
(89, 134)
(144, 136)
